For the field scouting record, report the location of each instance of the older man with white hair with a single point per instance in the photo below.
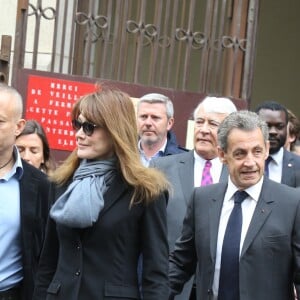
(195, 168)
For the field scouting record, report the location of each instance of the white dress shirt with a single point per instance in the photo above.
(248, 207)
(275, 166)
(215, 170)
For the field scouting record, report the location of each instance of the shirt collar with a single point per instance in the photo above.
(253, 191)
(202, 160)
(17, 169)
(278, 156)
(18, 166)
(160, 151)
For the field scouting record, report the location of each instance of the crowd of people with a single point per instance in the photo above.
(131, 214)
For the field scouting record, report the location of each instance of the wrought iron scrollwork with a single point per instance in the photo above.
(197, 39)
(233, 42)
(48, 13)
(164, 41)
(227, 42)
(97, 25)
(149, 30)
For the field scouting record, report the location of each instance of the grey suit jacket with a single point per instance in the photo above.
(179, 170)
(290, 169)
(270, 257)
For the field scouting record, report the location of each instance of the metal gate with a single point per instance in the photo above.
(183, 48)
(203, 46)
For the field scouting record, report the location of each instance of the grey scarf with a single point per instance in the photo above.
(79, 206)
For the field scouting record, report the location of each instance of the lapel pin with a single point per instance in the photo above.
(290, 165)
(262, 210)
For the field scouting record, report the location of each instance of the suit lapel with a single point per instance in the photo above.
(261, 213)
(224, 174)
(114, 192)
(215, 207)
(28, 196)
(287, 176)
(186, 174)
(28, 206)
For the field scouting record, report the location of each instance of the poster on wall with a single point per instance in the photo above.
(50, 101)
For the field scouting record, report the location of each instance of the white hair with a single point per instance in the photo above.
(219, 105)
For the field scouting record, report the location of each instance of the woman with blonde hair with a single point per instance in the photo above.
(109, 209)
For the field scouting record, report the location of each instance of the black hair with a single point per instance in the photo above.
(272, 105)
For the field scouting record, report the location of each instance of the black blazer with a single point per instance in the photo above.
(100, 262)
(34, 193)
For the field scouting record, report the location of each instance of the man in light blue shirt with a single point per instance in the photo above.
(23, 205)
(155, 119)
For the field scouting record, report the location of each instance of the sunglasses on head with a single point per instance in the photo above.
(87, 127)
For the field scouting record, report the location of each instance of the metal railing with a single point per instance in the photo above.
(205, 46)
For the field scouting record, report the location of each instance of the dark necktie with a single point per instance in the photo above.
(267, 162)
(206, 176)
(229, 273)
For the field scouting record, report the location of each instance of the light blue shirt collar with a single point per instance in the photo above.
(144, 159)
(17, 169)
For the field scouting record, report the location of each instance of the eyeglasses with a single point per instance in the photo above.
(87, 127)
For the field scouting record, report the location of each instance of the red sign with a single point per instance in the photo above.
(50, 101)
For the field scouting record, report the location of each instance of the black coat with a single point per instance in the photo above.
(34, 192)
(100, 262)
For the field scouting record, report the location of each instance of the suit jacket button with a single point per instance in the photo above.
(77, 273)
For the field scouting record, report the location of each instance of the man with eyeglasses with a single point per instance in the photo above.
(194, 168)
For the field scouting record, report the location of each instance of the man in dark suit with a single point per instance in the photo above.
(283, 164)
(23, 205)
(184, 171)
(243, 248)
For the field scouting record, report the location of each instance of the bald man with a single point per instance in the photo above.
(23, 205)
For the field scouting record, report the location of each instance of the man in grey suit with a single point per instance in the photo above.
(264, 253)
(184, 171)
(283, 164)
